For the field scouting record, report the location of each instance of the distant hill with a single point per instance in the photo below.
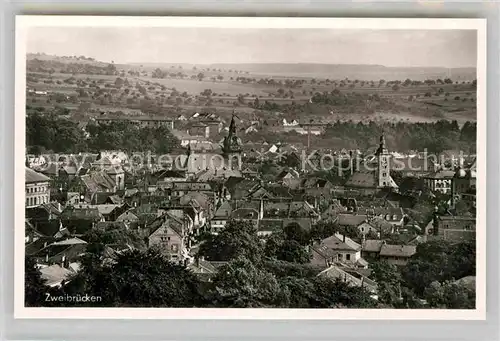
(334, 71)
(306, 70)
(65, 59)
(351, 71)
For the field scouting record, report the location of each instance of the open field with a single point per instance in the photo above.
(132, 88)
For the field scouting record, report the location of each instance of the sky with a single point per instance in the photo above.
(393, 48)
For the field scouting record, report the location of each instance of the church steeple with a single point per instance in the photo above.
(232, 143)
(232, 126)
(382, 149)
(383, 172)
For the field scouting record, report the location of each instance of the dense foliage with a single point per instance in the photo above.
(51, 133)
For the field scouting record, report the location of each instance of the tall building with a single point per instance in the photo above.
(373, 177)
(463, 185)
(37, 188)
(383, 170)
(232, 145)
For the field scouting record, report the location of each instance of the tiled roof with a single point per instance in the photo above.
(97, 181)
(55, 274)
(32, 177)
(71, 241)
(103, 209)
(224, 211)
(346, 219)
(339, 242)
(398, 250)
(71, 213)
(372, 245)
(245, 213)
(335, 272)
(270, 225)
(381, 225)
(363, 179)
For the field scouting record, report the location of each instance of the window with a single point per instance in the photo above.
(340, 256)
(384, 174)
(174, 248)
(347, 257)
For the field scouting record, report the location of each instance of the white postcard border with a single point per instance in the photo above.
(24, 22)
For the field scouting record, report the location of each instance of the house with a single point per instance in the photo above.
(61, 252)
(372, 177)
(31, 234)
(108, 211)
(221, 217)
(393, 254)
(55, 275)
(351, 220)
(80, 219)
(463, 185)
(397, 254)
(439, 181)
(167, 235)
(204, 270)
(44, 212)
(370, 248)
(378, 226)
(355, 279)
(453, 228)
(393, 215)
(37, 190)
(141, 121)
(338, 248)
(112, 167)
(129, 219)
(94, 182)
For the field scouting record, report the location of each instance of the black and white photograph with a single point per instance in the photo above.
(288, 167)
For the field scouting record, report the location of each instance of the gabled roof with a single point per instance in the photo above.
(335, 272)
(339, 242)
(55, 274)
(245, 213)
(363, 179)
(84, 213)
(348, 219)
(127, 216)
(381, 224)
(71, 241)
(169, 221)
(372, 245)
(104, 209)
(398, 250)
(33, 177)
(97, 181)
(224, 211)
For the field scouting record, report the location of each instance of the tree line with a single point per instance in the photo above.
(47, 132)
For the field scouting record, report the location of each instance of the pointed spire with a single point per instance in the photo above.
(232, 125)
(382, 149)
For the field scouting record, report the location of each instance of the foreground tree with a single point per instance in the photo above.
(140, 279)
(242, 284)
(238, 239)
(34, 285)
(450, 295)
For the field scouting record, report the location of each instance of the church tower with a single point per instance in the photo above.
(383, 158)
(232, 145)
